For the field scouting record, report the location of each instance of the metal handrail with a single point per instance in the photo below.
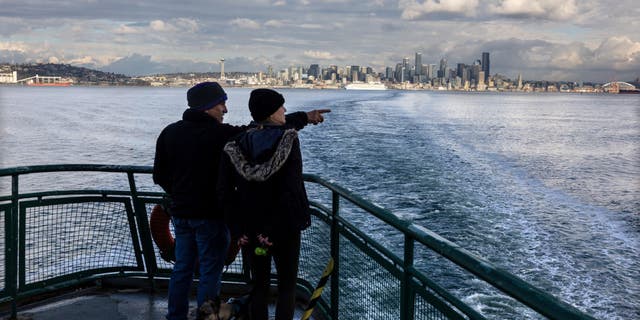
(508, 283)
(538, 300)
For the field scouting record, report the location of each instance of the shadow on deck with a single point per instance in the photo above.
(118, 299)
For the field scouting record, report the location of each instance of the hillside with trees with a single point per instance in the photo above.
(79, 75)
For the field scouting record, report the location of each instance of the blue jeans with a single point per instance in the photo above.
(205, 241)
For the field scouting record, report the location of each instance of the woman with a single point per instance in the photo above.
(265, 201)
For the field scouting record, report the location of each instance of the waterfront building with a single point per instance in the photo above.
(407, 69)
(481, 84)
(389, 73)
(442, 72)
(418, 67)
(460, 69)
(475, 72)
(355, 73)
(426, 74)
(486, 65)
(314, 71)
(432, 71)
(9, 77)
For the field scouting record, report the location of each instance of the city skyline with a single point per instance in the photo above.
(541, 39)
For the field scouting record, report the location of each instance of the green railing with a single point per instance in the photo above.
(60, 237)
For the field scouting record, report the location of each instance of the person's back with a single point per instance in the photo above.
(186, 167)
(191, 150)
(265, 202)
(270, 197)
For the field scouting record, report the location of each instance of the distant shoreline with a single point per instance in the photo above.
(102, 85)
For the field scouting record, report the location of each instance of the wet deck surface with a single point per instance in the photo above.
(126, 304)
(117, 305)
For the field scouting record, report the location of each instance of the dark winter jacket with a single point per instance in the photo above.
(261, 186)
(187, 159)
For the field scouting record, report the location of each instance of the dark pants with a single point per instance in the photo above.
(285, 252)
(196, 239)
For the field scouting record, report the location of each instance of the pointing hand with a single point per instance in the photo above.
(315, 116)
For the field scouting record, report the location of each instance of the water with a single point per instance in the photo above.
(546, 186)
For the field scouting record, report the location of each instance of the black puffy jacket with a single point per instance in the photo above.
(187, 161)
(260, 184)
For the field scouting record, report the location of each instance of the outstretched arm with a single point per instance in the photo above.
(298, 120)
(315, 116)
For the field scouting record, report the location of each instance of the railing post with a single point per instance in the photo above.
(12, 247)
(335, 253)
(407, 294)
(143, 230)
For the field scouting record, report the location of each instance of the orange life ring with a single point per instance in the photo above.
(161, 234)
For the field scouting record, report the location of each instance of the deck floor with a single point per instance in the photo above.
(125, 304)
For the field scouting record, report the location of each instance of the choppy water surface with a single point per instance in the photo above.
(546, 186)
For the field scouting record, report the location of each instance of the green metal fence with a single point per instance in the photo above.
(58, 238)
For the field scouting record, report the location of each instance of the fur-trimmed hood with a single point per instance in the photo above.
(261, 152)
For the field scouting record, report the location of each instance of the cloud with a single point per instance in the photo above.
(160, 26)
(135, 64)
(544, 60)
(619, 52)
(85, 61)
(312, 26)
(274, 24)
(544, 9)
(13, 25)
(13, 46)
(542, 38)
(171, 26)
(322, 55)
(414, 10)
(244, 23)
(126, 29)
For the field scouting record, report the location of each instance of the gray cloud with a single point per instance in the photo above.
(544, 38)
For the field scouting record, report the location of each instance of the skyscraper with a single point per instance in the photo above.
(389, 73)
(355, 73)
(460, 69)
(442, 72)
(486, 66)
(314, 70)
(418, 63)
(407, 70)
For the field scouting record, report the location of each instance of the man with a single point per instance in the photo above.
(186, 166)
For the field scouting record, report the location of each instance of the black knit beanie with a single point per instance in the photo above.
(205, 95)
(263, 103)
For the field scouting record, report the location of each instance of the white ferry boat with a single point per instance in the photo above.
(366, 86)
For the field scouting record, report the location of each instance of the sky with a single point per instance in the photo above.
(555, 40)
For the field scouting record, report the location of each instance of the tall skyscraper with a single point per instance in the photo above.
(475, 71)
(389, 73)
(407, 69)
(442, 72)
(399, 76)
(314, 70)
(355, 73)
(460, 70)
(418, 63)
(432, 71)
(486, 66)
